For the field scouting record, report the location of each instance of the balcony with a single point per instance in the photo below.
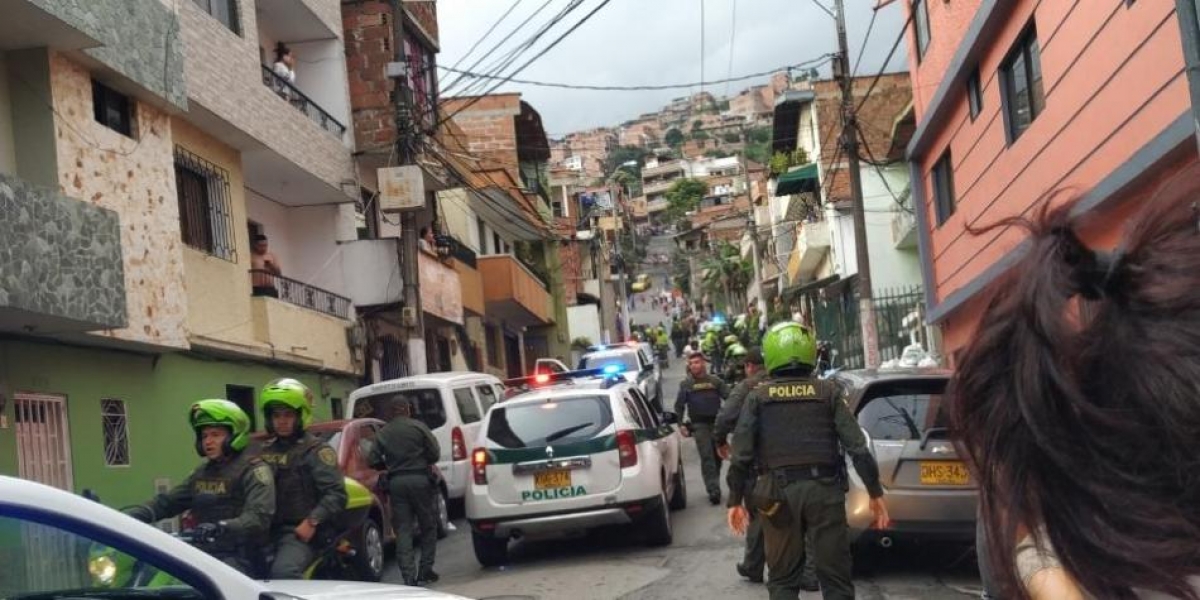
(441, 293)
(371, 269)
(812, 244)
(904, 230)
(61, 268)
(464, 262)
(42, 24)
(292, 95)
(513, 293)
(657, 187)
(298, 293)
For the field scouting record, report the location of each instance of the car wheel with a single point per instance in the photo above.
(658, 527)
(679, 496)
(490, 551)
(368, 558)
(443, 516)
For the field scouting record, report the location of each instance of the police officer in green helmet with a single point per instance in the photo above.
(735, 369)
(231, 494)
(310, 487)
(697, 404)
(790, 428)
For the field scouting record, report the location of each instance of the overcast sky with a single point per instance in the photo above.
(650, 42)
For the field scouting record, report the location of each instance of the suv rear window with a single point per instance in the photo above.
(426, 402)
(628, 361)
(552, 422)
(903, 410)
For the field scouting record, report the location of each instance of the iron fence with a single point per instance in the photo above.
(834, 313)
(302, 103)
(299, 293)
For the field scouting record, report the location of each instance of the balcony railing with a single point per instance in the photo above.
(299, 293)
(296, 98)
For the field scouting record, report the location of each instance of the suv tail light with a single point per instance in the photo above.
(627, 448)
(458, 447)
(479, 461)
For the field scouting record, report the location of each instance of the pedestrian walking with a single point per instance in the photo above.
(790, 427)
(696, 405)
(407, 449)
(1075, 404)
(310, 489)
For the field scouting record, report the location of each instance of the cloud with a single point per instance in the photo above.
(647, 42)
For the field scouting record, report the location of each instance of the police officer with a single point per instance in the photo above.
(231, 494)
(790, 428)
(408, 450)
(700, 395)
(311, 489)
(735, 370)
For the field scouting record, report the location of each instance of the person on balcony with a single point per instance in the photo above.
(264, 267)
(285, 63)
(428, 241)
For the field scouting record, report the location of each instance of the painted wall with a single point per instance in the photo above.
(948, 22)
(136, 179)
(8, 149)
(1091, 124)
(890, 267)
(156, 391)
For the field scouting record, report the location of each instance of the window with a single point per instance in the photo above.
(422, 80)
(974, 94)
(467, 409)
(243, 396)
(426, 404)
(337, 409)
(497, 245)
(1021, 76)
(205, 212)
(482, 236)
(112, 109)
(116, 433)
(943, 187)
(487, 396)
(641, 414)
(903, 411)
(224, 11)
(553, 422)
(920, 13)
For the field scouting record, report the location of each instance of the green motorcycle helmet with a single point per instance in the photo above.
(287, 393)
(789, 345)
(735, 350)
(221, 413)
(731, 339)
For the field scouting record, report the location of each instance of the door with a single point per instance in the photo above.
(43, 440)
(44, 456)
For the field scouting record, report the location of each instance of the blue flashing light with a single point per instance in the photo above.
(613, 369)
(719, 319)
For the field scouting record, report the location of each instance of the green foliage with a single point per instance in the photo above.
(726, 273)
(697, 124)
(699, 135)
(581, 343)
(759, 135)
(624, 154)
(781, 162)
(717, 153)
(758, 144)
(681, 269)
(673, 137)
(723, 106)
(685, 195)
(731, 138)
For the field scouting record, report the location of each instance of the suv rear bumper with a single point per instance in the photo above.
(565, 521)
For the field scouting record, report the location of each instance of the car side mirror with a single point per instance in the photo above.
(670, 418)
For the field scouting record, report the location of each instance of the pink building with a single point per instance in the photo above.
(1017, 100)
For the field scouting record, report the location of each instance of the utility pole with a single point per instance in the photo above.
(866, 302)
(622, 291)
(407, 138)
(761, 300)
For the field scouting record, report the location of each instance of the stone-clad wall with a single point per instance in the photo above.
(60, 256)
(141, 40)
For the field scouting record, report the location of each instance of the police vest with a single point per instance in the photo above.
(795, 423)
(217, 492)
(704, 399)
(295, 493)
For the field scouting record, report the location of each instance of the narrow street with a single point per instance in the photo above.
(699, 564)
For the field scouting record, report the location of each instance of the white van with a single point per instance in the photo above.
(451, 404)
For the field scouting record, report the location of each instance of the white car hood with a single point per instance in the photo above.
(337, 590)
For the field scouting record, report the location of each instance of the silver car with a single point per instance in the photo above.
(930, 493)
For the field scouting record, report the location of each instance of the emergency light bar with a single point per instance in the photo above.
(545, 378)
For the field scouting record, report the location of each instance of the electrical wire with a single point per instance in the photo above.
(446, 89)
(491, 29)
(886, 61)
(732, 38)
(811, 63)
(863, 47)
(701, 46)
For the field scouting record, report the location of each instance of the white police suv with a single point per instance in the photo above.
(579, 453)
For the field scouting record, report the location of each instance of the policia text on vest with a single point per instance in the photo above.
(794, 430)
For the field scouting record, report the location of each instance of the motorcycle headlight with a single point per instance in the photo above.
(103, 569)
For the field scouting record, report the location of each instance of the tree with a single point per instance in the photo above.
(759, 135)
(674, 137)
(699, 134)
(624, 154)
(697, 124)
(781, 161)
(726, 272)
(731, 137)
(627, 180)
(685, 196)
(681, 270)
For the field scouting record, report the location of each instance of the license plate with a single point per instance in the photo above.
(548, 480)
(944, 473)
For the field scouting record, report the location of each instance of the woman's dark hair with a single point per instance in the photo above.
(281, 50)
(1077, 403)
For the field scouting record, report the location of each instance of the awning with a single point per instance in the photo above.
(803, 179)
(796, 290)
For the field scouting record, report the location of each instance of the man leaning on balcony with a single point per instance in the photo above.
(264, 267)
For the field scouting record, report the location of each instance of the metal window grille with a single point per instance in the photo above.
(224, 11)
(116, 432)
(205, 209)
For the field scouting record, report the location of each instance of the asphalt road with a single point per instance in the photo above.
(699, 564)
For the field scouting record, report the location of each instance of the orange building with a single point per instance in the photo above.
(1018, 100)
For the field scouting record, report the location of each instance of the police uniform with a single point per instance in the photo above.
(791, 427)
(238, 494)
(701, 398)
(309, 486)
(754, 560)
(408, 449)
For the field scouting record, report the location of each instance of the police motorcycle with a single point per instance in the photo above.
(337, 544)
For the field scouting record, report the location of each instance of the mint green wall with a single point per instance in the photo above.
(156, 394)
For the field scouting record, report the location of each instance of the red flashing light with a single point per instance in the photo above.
(541, 378)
